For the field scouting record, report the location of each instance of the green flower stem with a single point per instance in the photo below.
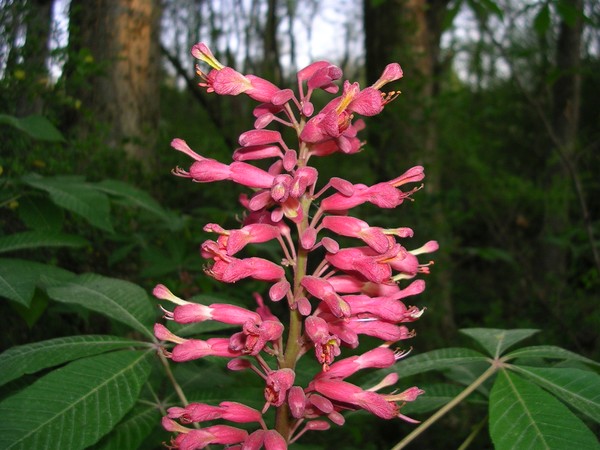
(178, 390)
(448, 406)
(293, 344)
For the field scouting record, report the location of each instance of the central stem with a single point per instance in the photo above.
(294, 338)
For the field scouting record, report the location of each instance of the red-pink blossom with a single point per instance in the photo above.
(278, 383)
(197, 348)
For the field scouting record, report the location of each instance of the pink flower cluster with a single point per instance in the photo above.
(348, 292)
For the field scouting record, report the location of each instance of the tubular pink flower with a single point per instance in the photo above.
(254, 152)
(250, 176)
(278, 383)
(221, 312)
(353, 227)
(384, 308)
(381, 405)
(392, 72)
(379, 357)
(239, 413)
(259, 137)
(279, 290)
(216, 434)
(250, 234)
(261, 90)
(327, 346)
(161, 292)
(382, 330)
(162, 333)
(255, 336)
(195, 412)
(321, 289)
(254, 441)
(183, 147)
(373, 268)
(297, 401)
(274, 441)
(202, 52)
(237, 269)
(196, 348)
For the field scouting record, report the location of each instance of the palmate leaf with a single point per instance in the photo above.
(74, 406)
(132, 430)
(549, 352)
(76, 195)
(496, 341)
(579, 388)
(437, 360)
(19, 278)
(118, 299)
(524, 416)
(30, 358)
(36, 239)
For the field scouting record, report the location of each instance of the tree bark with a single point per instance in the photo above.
(122, 37)
(561, 166)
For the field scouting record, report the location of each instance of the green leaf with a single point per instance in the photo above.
(550, 352)
(492, 7)
(541, 23)
(524, 416)
(30, 358)
(36, 239)
(19, 278)
(578, 388)
(77, 196)
(72, 407)
(496, 341)
(40, 214)
(140, 199)
(120, 300)
(441, 359)
(132, 430)
(37, 127)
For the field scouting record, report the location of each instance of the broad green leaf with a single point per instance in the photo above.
(30, 358)
(74, 406)
(496, 341)
(36, 308)
(550, 352)
(19, 278)
(524, 416)
(37, 127)
(36, 239)
(542, 19)
(437, 360)
(132, 430)
(77, 196)
(141, 199)
(578, 388)
(121, 300)
(39, 214)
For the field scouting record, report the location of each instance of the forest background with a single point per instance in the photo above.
(499, 103)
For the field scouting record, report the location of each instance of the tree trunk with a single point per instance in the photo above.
(561, 170)
(122, 36)
(405, 134)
